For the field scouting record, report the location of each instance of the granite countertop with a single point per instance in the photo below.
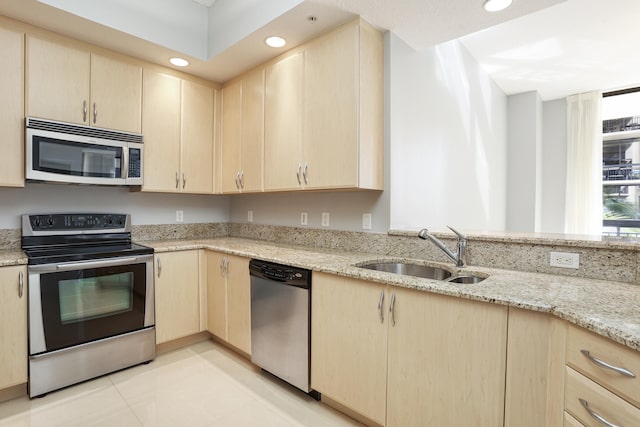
(608, 308)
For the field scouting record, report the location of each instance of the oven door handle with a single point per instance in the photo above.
(68, 266)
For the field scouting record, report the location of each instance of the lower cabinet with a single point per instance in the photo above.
(177, 290)
(401, 357)
(13, 326)
(229, 299)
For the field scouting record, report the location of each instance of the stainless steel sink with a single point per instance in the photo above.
(466, 280)
(409, 269)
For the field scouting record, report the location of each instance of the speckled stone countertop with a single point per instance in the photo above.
(12, 257)
(611, 309)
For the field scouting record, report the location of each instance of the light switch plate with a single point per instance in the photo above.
(179, 216)
(303, 218)
(325, 219)
(366, 221)
(249, 216)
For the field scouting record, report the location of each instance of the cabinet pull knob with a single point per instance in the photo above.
(304, 173)
(95, 112)
(241, 179)
(238, 180)
(380, 306)
(184, 179)
(20, 284)
(159, 267)
(603, 364)
(392, 309)
(84, 110)
(602, 420)
(298, 174)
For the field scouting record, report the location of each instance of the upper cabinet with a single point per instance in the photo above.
(178, 130)
(242, 134)
(343, 109)
(12, 108)
(72, 85)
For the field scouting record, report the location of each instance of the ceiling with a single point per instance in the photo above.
(556, 47)
(155, 30)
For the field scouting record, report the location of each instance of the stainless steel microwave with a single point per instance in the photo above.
(76, 154)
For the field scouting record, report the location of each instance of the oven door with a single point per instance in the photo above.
(78, 302)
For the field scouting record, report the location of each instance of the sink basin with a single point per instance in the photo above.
(466, 280)
(408, 269)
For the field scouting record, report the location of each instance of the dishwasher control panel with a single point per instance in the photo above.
(279, 272)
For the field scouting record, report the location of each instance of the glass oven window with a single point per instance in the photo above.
(94, 297)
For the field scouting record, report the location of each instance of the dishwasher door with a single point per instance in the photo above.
(280, 321)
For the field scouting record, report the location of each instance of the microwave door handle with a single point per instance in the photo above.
(124, 173)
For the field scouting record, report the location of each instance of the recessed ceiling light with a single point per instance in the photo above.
(275, 41)
(179, 62)
(496, 5)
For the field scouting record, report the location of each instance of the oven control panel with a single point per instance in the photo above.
(76, 222)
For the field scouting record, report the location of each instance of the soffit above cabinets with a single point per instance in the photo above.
(224, 38)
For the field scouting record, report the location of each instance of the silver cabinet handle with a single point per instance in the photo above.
(380, 306)
(391, 309)
(184, 180)
(20, 284)
(304, 173)
(298, 174)
(241, 179)
(238, 180)
(603, 364)
(159, 267)
(595, 415)
(95, 112)
(84, 110)
(222, 267)
(177, 180)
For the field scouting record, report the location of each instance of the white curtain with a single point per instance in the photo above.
(583, 207)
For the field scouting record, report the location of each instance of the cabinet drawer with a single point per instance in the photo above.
(569, 421)
(601, 402)
(609, 352)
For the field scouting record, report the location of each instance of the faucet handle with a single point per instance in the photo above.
(459, 234)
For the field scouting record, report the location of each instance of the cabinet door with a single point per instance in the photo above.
(349, 343)
(197, 138)
(12, 108)
(216, 295)
(231, 136)
(446, 362)
(13, 326)
(252, 131)
(116, 94)
(283, 123)
(161, 130)
(177, 295)
(57, 81)
(331, 109)
(239, 303)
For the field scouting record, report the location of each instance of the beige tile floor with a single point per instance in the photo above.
(204, 384)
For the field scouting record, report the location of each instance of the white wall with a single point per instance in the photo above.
(554, 164)
(145, 208)
(448, 140)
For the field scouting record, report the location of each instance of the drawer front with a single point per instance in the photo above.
(569, 421)
(607, 351)
(600, 401)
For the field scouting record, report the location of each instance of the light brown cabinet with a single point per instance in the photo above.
(13, 326)
(72, 85)
(229, 299)
(243, 134)
(177, 291)
(12, 108)
(178, 123)
(408, 358)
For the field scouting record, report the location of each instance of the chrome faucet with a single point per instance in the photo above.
(459, 255)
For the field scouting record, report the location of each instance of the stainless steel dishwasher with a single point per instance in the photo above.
(280, 321)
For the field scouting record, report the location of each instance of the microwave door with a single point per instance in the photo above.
(99, 163)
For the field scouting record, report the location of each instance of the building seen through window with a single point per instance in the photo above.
(621, 163)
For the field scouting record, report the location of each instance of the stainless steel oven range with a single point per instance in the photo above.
(91, 298)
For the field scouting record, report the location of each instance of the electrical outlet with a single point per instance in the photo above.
(366, 221)
(564, 260)
(325, 219)
(303, 218)
(179, 216)
(249, 216)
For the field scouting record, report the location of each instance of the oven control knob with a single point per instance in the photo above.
(36, 221)
(50, 220)
(109, 220)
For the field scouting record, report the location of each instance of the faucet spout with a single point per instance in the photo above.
(457, 257)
